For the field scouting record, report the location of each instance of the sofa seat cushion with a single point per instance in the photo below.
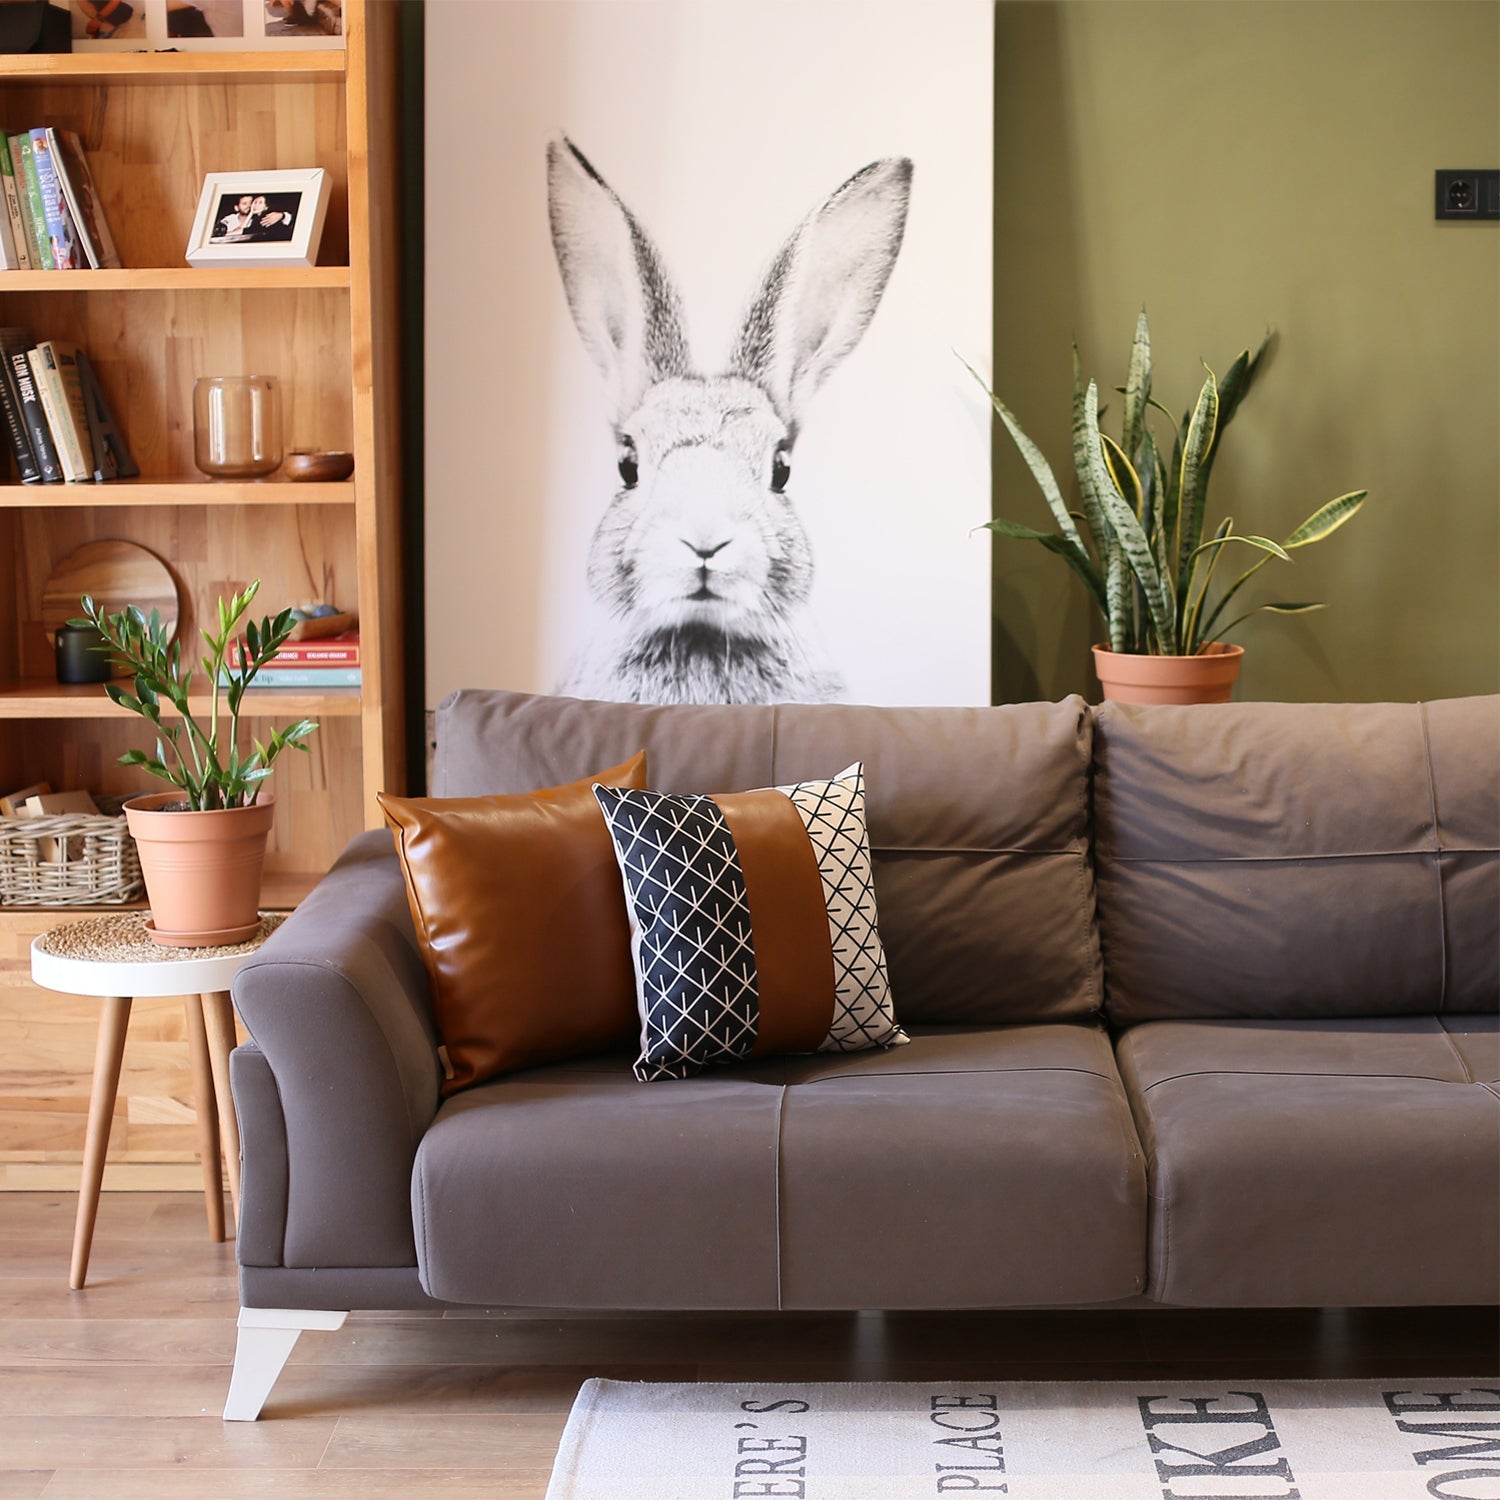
(1313, 1163)
(976, 1167)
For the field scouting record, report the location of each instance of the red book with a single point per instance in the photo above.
(320, 651)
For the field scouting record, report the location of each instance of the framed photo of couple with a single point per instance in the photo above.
(259, 219)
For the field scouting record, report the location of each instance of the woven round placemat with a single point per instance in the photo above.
(123, 939)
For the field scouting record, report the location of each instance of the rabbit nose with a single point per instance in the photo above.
(704, 552)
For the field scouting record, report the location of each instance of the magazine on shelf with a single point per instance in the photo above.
(83, 199)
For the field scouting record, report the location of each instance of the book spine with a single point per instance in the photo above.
(307, 677)
(62, 238)
(65, 357)
(49, 387)
(34, 417)
(292, 655)
(36, 213)
(15, 427)
(84, 200)
(13, 208)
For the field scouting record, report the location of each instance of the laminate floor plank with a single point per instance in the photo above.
(131, 1442)
(467, 1442)
(296, 1484)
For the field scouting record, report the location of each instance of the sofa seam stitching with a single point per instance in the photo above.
(1284, 1073)
(1291, 859)
(1091, 952)
(1437, 860)
(1493, 1088)
(1462, 1061)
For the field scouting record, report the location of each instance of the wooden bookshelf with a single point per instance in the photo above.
(153, 125)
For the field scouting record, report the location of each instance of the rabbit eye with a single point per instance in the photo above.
(781, 471)
(630, 469)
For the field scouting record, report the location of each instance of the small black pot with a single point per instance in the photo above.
(78, 660)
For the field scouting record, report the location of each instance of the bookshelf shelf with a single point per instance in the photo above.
(181, 279)
(165, 67)
(165, 492)
(41, 698)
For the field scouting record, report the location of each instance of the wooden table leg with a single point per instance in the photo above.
(218, 1012)
(205, 1101)
(114, 1020)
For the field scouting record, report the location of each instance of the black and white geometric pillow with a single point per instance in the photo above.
(753, 923)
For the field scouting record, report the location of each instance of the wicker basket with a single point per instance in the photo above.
(74, 859)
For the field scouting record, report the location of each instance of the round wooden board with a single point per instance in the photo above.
(113, 574)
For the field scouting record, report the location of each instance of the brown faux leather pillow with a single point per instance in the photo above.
(522, 923)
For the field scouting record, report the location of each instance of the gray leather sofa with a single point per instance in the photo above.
(1203, 1005)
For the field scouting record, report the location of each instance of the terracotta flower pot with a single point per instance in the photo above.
(1207, 677)
(202, 869)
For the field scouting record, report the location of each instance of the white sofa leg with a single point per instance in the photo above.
(266, 1338)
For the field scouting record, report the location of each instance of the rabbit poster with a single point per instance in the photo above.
(697, 273)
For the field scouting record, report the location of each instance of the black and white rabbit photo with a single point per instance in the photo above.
(700, 560)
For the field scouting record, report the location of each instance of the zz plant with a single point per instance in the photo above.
(1147, 564)
(203, 758)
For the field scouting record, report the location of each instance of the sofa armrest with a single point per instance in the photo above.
(337, 1003)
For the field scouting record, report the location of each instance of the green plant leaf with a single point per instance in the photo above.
(1264, 543)
(1123, 476)
(1099, 490)
(1071, 552)
(1326, 519)
(1192, 486)
(1275, 609)
(1137, 389)
(1036, 461)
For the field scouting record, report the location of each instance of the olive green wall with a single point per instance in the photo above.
(1243, 164)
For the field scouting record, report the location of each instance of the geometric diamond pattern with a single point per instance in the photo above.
(690, 931)
(834, 814)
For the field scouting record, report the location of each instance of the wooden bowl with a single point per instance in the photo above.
(304, 463)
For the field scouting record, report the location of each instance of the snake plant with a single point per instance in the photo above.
(1146, 563)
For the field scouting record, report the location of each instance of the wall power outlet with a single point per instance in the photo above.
(1467, 194)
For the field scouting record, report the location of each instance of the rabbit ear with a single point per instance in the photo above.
(618, 291)
(824, 286)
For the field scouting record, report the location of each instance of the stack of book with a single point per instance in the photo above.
(53, 219)
(52, 407)
(321, 662)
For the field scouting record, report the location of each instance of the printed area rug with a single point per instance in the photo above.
(1150, 1440)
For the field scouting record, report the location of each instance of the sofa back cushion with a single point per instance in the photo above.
(977, 819)
(1298, 860)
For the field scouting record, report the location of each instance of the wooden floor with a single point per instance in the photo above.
(114, 1392)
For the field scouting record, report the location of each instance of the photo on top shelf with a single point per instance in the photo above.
(108, 23)
(260, 218)
(303, 21)
(197, 20)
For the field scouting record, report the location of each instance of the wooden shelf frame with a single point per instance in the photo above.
(219, 493)
(181, 279)
(161, 67)
(41, 698)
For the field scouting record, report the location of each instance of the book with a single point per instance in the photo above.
(306, 677)
(13, 208)
(9, 259)
(62, 399)
(13, 345)
(112, 458)
(56, 805)
(72, 168)
(324, 651)
(31, 202)
(62, 236)
(10, 415)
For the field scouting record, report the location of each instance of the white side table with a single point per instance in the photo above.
(114, 957)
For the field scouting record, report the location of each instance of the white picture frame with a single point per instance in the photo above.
(286, 232)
